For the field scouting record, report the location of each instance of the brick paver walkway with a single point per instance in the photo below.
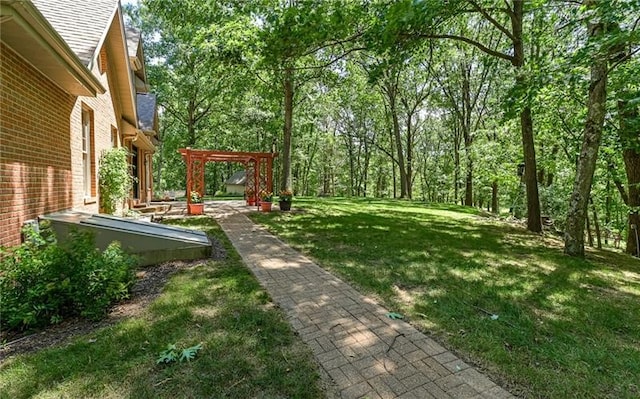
(367, 354)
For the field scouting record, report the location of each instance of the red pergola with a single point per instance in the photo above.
(258, 165)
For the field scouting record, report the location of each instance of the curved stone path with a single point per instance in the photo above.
(367, 354)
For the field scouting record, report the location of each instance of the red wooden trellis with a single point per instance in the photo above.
(258, 166)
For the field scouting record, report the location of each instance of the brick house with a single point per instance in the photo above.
(73, 84)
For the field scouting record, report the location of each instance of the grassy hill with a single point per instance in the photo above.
(505, 299)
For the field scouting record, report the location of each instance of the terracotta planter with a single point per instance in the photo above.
(265, 206)
(251, 202)
(195, 209)
(285, 205)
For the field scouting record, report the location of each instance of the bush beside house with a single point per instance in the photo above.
(114, 179)
(43, 282)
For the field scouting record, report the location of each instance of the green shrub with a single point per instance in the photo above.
(114, 179)
(42, 282)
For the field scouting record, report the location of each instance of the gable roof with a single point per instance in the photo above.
(82, 24)
(147, 112)
(133, 40)
(28, 33)
(240, 177)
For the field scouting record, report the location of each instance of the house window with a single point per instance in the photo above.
(88, 163)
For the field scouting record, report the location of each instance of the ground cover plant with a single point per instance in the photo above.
(245, 347)
(509, 300)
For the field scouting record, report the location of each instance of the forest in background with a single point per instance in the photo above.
(528, 106)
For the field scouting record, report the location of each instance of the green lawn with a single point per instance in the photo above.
(561, 327)
(248, 348)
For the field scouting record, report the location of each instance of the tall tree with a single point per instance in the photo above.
(628, 109)
(606, 39)
(301, 39)
(596, 106)
(466, 80)
(424, 20)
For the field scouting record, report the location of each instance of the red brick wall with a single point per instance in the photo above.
(104, 120)
(35, 146)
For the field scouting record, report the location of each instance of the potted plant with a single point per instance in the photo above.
(195, 207)
(286, 196)
(265, 200)
(250, 195)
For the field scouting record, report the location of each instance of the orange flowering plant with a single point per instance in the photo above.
(266, 196)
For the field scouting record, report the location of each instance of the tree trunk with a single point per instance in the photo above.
(456, 161)
(632, 167)
(311, 150)
(551, 171)
(468, 139)
(288, 128)
(574, 231)
(394, 178)
(607, 210)
(409, 173)
(596, 224)
(393, 164)
(191, 134)
(534, 223)
(367, 160)
(326, 180)
(398, 143)
(631, 157)
(159, 165)
(352, 165)
(589, 235)
(494, 197)
(468, 193)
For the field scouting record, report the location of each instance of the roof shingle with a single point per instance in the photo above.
(240, 177)
(146, 111)
(133, 40)
(82, 24)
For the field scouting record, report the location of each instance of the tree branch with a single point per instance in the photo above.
(175, 114)
(619, 186)
(479, 45)
(327, 64)
(493, 22)
(202, 114)
(335, 42)
(259, 77)
(623, 59)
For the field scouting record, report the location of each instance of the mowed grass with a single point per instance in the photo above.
(508, 300)
(248, 349)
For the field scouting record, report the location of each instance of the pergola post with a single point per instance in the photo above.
(256, 180)
(200, 170)
(187, 157)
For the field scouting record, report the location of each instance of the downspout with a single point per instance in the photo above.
(148, 177)
(129, 148)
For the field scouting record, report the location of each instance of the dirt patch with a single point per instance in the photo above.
(149, 284)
